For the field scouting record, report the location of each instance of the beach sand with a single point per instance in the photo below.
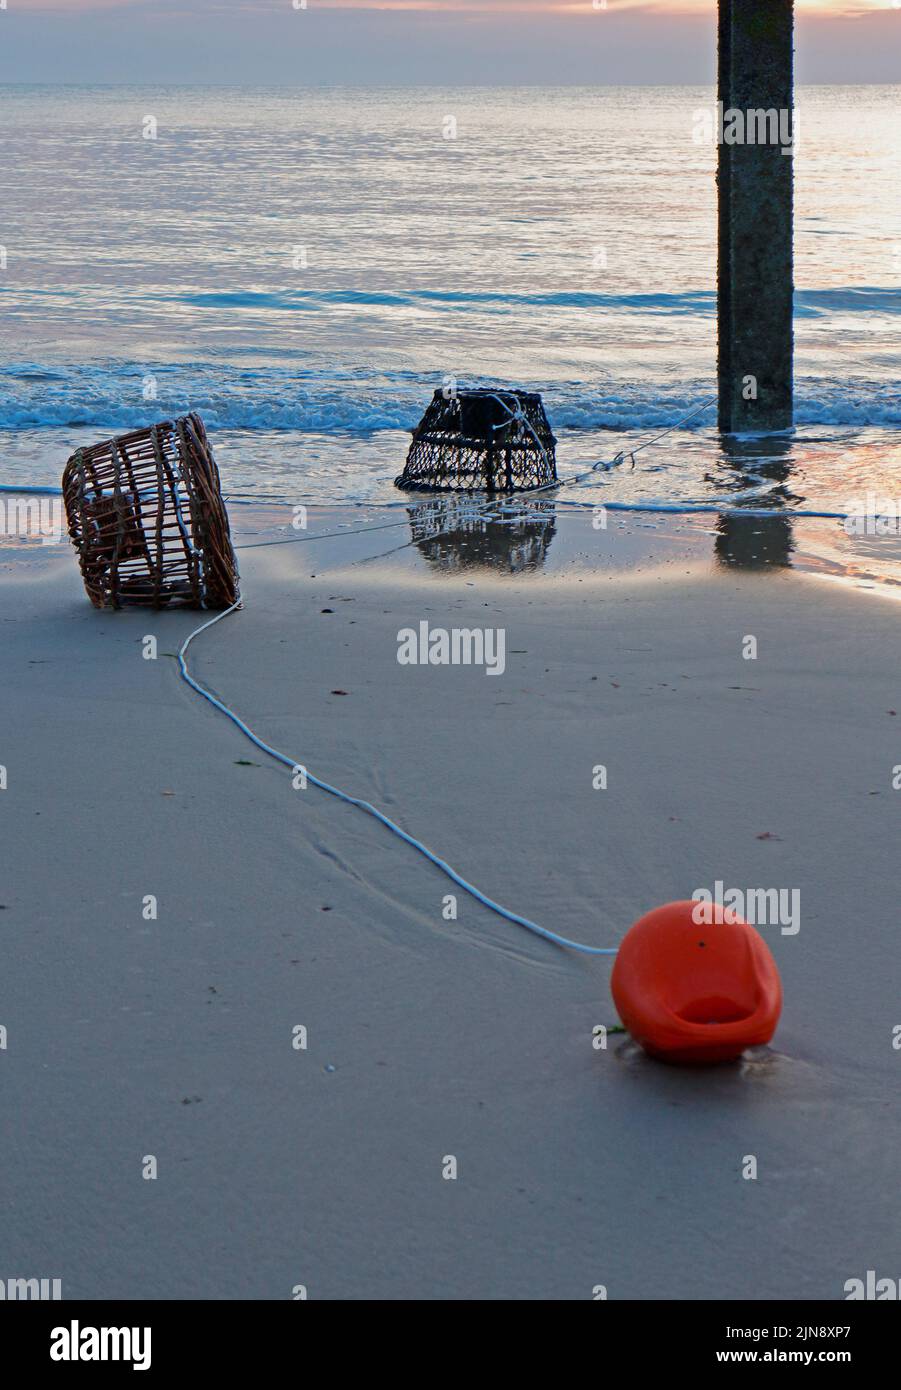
(427, 1038)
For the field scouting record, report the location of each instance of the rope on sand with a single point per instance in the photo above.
(371, 810)
(323, 535)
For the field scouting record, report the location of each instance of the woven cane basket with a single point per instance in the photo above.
(486, 440)
(147, 519)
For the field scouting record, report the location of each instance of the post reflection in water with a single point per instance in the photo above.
(759, 471)
(453, 533)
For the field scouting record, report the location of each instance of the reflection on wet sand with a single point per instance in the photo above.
(455, 533)
(756, 542)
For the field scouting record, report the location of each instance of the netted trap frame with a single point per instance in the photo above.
(481, 440)
(147, 519)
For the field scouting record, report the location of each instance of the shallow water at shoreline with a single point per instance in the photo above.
(441, 538)
(810, 468)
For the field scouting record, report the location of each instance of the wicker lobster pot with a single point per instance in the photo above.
(493, 441)
(146, 516)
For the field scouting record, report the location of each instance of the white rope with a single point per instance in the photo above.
(371, 810)
(630, 453)
(515, 415)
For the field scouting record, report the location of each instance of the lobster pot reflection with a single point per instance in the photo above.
(491, 441)
(453, 534)
(147, 519)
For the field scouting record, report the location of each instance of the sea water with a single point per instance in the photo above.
(305, 266)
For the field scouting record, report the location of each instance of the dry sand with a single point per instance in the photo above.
(427, 1038)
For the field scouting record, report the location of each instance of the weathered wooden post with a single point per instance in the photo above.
(754, 177)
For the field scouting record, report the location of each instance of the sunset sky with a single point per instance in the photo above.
(440, 42)
(220, 8)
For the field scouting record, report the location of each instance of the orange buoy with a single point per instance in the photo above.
(696, 991)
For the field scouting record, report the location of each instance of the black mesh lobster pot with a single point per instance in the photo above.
(491, 441)
(147, 519)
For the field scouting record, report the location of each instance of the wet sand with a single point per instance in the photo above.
(428, 1038)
